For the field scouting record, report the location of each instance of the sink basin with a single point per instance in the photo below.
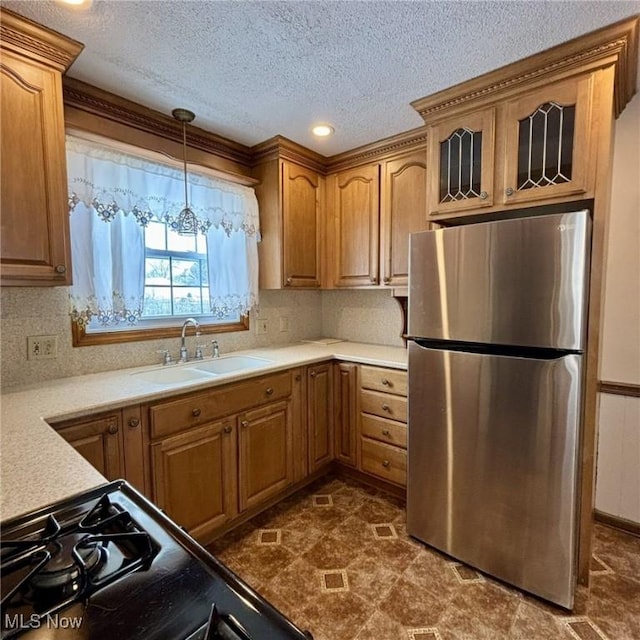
(173, 375)
(229, 364)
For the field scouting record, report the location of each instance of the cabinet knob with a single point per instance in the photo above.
(373, 280)
(386, 279)
(483, 195)
(386, 432)
(289, 280)
(298, 378)
(245, 423)
(60, 268)
(386, 382)
(134, 422)
(228, 429)
(113, 429)
(385, 464)
(196, 412)
(508, 191)
(269, 391)
(385, 407)
(312, 374)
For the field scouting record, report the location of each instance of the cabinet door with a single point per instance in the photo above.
(403, 211)
(547, 142)
(35, 225)
(356, 210)
(346, 412)
(194, 477)
(301, 198)
(320, 415)
(461, 161)
(265, 442)
(99, 441)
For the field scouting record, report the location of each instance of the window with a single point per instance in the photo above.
(134, 276)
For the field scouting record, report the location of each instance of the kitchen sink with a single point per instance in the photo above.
(229, 364)
(173, 375)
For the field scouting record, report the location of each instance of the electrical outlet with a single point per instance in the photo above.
(261, 326)
(283, 324)
(42, 347)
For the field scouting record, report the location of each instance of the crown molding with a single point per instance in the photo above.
(379, 150)
(281, 147)
(88, 98)
(615, 44)
(28, 38)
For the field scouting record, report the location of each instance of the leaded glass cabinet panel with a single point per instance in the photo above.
(461, 154)
(547, 142)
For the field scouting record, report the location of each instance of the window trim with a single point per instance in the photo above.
(80, 338)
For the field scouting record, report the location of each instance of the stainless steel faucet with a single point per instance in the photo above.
(215, 349)
(184, 354)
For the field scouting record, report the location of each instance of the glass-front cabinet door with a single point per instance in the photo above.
(547, 142)
(462, 149)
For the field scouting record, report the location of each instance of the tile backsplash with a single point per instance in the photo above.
(364, 316)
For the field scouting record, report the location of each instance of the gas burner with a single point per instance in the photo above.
(64, 568)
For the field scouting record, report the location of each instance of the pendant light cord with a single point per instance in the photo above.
(184, 158)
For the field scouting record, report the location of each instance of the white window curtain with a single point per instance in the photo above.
(114, 194)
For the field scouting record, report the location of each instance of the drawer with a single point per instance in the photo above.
(384, 461)
(388, 431)
(388, 380)
(199, 408)
(384, 405)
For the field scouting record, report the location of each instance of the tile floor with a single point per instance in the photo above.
(336, 559)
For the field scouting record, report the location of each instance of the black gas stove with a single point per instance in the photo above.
(108, 564)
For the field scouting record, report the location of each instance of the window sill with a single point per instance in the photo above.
(81, 338)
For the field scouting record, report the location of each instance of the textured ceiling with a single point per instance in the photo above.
(251, 70)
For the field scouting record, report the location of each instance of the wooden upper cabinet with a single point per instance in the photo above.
(291, 199)
(300, 225)
(403, 211)
(356, 220)
(461, 163)
(547, 142)
(35, 246)
(100, 441)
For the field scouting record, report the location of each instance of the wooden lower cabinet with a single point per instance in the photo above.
(320, 414)
(194, 476)
(98, 440)
(346, 412)
(266, 453)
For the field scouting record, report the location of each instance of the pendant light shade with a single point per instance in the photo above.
(187, 224)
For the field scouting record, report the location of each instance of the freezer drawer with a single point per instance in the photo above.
(492, 464)
(514, 282)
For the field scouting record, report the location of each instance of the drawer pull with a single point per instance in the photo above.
(228, 429)
(61, 269)
(269, 391)
(134, 422)
(386, 464)
(386, 432)
(196, 412)
(245, 423)
(312, 374)
(386, 383)
(113, 429)
(386, 407)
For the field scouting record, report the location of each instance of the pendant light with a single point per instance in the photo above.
(187, 224)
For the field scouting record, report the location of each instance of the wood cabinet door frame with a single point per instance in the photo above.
(224, 432)
(403, 208)
(346, 412)
(356, 230)
(301, 223)
(248, 421)
(483, 120)
(320, 403)
(578, 91)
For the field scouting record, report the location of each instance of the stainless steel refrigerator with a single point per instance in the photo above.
(497, 323)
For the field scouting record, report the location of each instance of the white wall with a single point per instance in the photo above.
(618, 467)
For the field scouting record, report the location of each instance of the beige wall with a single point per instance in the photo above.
(618, 470)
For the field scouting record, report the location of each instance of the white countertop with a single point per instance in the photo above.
(37, 467)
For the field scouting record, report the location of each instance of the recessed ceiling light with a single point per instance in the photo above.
(322, 130)
(76, 4)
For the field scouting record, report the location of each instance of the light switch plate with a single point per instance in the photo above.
(261, 326)
(283, 324)
(42, 347)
